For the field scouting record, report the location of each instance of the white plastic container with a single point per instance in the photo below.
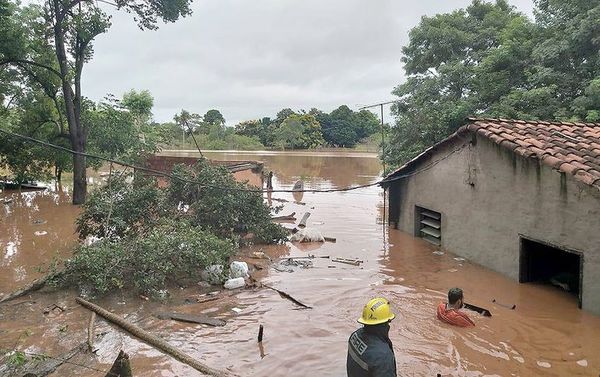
(234, 283)
(238, 270)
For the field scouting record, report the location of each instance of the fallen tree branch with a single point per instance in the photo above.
(33, 286)
(90, 338)
(289, 217)
(151, 339)
(286, 295)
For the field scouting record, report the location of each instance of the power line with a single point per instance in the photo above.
(204, 185)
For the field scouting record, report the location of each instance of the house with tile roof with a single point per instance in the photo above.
(519, 197)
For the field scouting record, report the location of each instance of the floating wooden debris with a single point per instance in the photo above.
(511, 307)
(260, 333)
(90, 332)
(204, 299)
(482, 311)
(287, 296)
(191, 318)
(302, 223)
(289, 217)
(354, 262)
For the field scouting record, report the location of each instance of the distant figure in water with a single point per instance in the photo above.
(270, 181)
(450, 312)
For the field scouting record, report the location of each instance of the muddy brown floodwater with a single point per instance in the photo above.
(546, 335)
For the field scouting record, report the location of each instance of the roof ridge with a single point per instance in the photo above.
(534, 121)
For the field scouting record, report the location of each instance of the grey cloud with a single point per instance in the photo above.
(252, 58)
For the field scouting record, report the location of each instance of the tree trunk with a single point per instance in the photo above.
(76, 133)
(79, 179)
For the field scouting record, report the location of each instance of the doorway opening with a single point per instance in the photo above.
(544, 263)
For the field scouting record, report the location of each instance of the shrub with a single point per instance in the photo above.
(222, 205)
(119, 209)
(169, 252)
(150, 237)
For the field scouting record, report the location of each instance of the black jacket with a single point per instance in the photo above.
(370, 353)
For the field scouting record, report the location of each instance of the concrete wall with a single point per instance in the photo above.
(489, 196)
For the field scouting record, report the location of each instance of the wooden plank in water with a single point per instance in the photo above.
(482, 311)
(192, 318)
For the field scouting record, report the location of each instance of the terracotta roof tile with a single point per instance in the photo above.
(535, 143)
(568, 168)
(552, 161)
(586, 177)
(595, 173)
(581, 166)
(508, 144)
(573, 148)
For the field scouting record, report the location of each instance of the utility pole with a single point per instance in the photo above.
(380, 105)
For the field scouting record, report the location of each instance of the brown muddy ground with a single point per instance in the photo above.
(546, 334)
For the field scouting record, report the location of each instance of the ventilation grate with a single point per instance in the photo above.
(430, 225)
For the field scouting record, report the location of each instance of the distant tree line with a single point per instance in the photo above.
(491, 60)
(342, 127)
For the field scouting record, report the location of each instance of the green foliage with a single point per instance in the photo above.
(187, 121)
(17, 359)
(139, 105)
(291, 130)
(170, 251)
(299, 132)
(150, 237)
(490, 60)
(214, 117)
(36, 117)
(345, 128)
(223, 206)
(115, 210)
(44, 48)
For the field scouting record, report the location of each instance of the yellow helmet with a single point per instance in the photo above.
(376, 311)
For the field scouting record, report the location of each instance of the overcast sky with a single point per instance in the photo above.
(251, 58)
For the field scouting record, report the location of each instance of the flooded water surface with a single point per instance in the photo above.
(546, 335)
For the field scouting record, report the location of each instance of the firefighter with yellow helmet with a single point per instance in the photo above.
(370, 351)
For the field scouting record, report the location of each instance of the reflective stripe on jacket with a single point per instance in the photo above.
(370, 355)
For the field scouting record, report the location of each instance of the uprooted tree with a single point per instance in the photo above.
(150, 237)
(46, 46)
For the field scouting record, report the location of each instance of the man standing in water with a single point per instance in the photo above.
(370, 351)
(450, 312)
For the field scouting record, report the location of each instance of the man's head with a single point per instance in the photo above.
(455, 297)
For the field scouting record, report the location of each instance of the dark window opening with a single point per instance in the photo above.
(429, 225)
(543, 263)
